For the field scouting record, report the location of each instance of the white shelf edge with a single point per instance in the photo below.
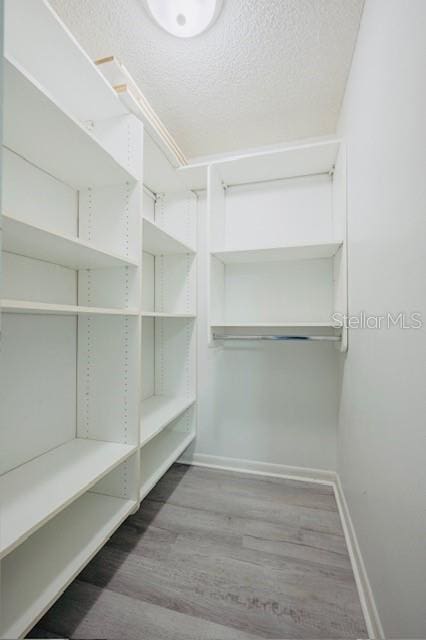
(277, 324)
(183, 247)
(195, 173)
(326, 249)
(278, 156)
(115, 259)
(330, 142)
(19, 539)
(24, 306)
(186, 404)
(23, 626)
(149, 484)
(161, 314)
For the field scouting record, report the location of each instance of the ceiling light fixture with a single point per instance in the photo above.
(184, 18)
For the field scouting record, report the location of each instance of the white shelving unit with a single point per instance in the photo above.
(160, 452)
(53, 556)
(168, 415)
(37, 490)
(277, 234)
(159, 411)
(98, 314)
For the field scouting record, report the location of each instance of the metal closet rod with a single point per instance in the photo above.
(278, 338)
(269, 180)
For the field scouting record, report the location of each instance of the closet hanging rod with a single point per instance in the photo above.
(231, 185)
(277, 338)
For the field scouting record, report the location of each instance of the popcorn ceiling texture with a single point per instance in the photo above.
(269, 71)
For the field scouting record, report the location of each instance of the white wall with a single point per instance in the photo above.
(274, 403)
(382, 432)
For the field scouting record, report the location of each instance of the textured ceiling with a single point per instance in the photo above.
(268, 71)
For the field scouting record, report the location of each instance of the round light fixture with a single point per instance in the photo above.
(184, 18)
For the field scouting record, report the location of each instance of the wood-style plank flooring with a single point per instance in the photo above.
(217, 555)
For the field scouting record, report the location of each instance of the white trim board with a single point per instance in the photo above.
(261, 468)
(321, 476)
(369, 608)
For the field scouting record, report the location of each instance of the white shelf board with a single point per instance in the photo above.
(159, 411)
(261, 166)
(35, 242)
(36, 128)
(161, 314)
(277, 324)
(169, 446)
(157, 241)
(288, 162)
(45, 308)
(308, 251)
(39, 489)
(36, 573)
(194, 176)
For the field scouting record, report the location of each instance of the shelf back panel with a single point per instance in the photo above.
(280, 213)
(37, 386)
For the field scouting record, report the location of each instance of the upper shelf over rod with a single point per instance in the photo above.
(264, 166)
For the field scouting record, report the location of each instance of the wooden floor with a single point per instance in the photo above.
(214, 555)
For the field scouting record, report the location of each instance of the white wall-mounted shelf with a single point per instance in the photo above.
(309, 251)
(276, 164)
(194, 175)
(262, 166)
(277, 325)
(161, 314)
(35, 242)
(160, 454)
(159, 411)
(37, 490)
(157, 241)
(36, 573)
(59, 144)
(45, 308)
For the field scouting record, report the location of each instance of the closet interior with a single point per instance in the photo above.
(99, 305)
(212, 319)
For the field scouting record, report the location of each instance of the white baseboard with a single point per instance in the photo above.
(260, 468)
(321, 476)
(371, 615)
